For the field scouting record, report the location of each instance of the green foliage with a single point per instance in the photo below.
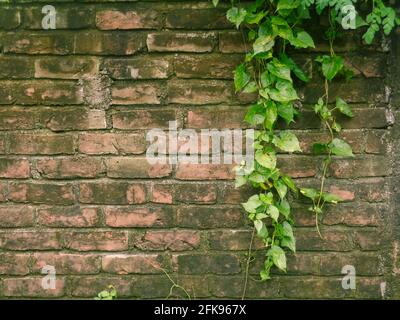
(273, 26)
(108, 294)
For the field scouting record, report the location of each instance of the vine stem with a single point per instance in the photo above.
(246, 278)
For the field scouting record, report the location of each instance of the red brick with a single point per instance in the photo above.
(178, 240)
(205, 172)
(218, 118)
(354, 215)
(41, 193)
(142, 67)
(82, 167)
(3, 188)
(72, 119)
(112, 143)
(181, 42)
(231, 240)
(162, 193)
(143, 119)
(90, 286)
(232, 42)
(132, 263)
(197, 19)
(67, 263)
(221, 263)
(333, 240)
(124, 167)
(31, 287)
(96, 240)
(65, 68)
(199, 91)
(2, 144)
(127, 20)
(373, 166)
(138, 216)
(112, 193)
(16, 118)
(14, 168)
(39, 143)
(30, 240)
(206, 217)
(137, 93)
(14, 263)
(69, 217)
(16, 216)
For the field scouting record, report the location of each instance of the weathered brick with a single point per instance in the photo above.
(143, 119)
(67, 263)
(218, 118)
(112, 143)
(138, 216)
(205, 172)
(65, 68)
(222, 263)
(206, 66)
(31, 287)
(181, 42)
(206, 217)
(2, 144)
(333, 240)
(112, 193)
(199, 91)
(197, 19)
(369, 239)
(106, 43)
(39, 143)
(142, 67)
(69, 217)
(124, 167)
(373, 166)
(16, 68)
(14, 168)
(10, 18)
(96, 240)
(72, 119)
(195, 193)
(41, 193)
(66, 18)
(14, 263)
(354, 215)
(17, 119)
(232, 42)
(90, 286)
(135, 93)
(231, 240)
(68, 168)
(162, 193)
(16, 216)
(127, 20)
(37, 43)
(132, 263)
(3, 188)
(30, 240)
(298, 166)
(177, 240)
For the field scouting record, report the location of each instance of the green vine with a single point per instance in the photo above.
(272, 27)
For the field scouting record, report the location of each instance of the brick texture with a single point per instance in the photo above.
(77, 193)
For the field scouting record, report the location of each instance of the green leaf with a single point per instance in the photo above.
(331, 198)
(287, 4)
(289, 243)
(302, 40)
(290, 183)
(287, 141)
(287, 112)
(241, 78)
(252, 204)
(309, 193)
(266, 160)
(284, 208)
(340, 148)
(343, 107)
(215, 2)
(278, 257)
(281, 188)
(236, 16)
(331, 66)
(320, 148)
(279, 70)
(267, 198)
(258, 224)
(284, 92)
(240, 181)
(271, 114)
(273, 212)
(255, 115)
(294, 67)
(263, 44)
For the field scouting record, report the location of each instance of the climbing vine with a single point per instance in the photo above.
(274, 27)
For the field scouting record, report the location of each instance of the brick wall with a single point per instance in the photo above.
(77, 193)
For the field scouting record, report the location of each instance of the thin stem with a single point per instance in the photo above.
(248, 263)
